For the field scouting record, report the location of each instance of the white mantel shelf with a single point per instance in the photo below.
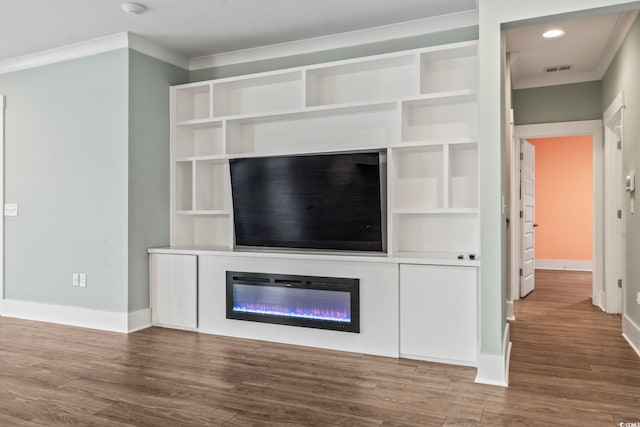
(425, 258)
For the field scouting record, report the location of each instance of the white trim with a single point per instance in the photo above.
(137, 320)
(65, 315)
(65, 53)
(142, 45)
(92, 47)
(631, 333)
(472, 363)
(510, 313)
(494, 369)
(2, 107)
(616, 105)
(336, 41)
(584, 127)
(623, 25)
(559, 264)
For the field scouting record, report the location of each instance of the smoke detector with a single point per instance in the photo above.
(134, 8)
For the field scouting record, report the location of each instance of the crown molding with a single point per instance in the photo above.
(64, 53)
(92, 47)
(335, 41)
(142, 45)
(623, 25)
(556, 79)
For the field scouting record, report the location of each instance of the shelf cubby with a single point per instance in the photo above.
(443, 119)
(463, 175)
(201, 139)
(446, 232)
(418, 176)
(193, 102)
(318, 130)
(202, 231)
(385, 78)
(184, 186)
(275, 92)
(446, 70)
(212, 186)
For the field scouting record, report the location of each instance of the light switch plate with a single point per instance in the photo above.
(10, 209)
(75, 279)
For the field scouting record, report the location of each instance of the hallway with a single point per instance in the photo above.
(569, 357)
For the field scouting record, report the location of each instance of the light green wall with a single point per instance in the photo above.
(493, 16)
(433, 39)
(149, 81)
(561, 103)
(623, 75)
(66, 167)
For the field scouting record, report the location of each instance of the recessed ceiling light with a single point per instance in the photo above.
(134, 8)
(553, 33)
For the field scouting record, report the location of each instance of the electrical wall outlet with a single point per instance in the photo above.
(83, 280)
(638, 298)
(76, 279)
(10, 209)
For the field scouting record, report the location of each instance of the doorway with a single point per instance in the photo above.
(592, 128)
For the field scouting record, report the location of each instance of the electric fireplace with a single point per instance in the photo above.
(315, 302)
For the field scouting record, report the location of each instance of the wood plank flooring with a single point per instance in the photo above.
(569, 367)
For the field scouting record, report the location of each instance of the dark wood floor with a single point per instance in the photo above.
(569, 367)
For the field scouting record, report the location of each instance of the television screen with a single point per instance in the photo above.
(328, 201)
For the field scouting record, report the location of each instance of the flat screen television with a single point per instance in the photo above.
(325, 201)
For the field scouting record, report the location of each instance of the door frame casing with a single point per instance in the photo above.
(546, 130)
(2, 113)
(617, 228)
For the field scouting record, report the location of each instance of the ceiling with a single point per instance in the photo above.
(588, 46)
(202, 27)
(197, 28)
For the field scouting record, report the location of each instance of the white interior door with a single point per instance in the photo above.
(527, 214)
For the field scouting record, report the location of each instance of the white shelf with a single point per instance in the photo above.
(193, 103)
(450, 69)
(265, 93)
(391, 77)
(448, 211)
(420, 106)
(321, 130)
(204, 138)
(442, 119)
(201, 212)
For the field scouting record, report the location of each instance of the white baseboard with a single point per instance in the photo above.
(75, 316)
(472, 363)
(494, 369)
(138, 320)
(510, 314)
(631, 333)
(563, 264)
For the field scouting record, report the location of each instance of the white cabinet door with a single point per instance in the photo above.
(438, 313)
(174, 290)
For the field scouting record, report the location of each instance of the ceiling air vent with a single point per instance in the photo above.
(556, 68)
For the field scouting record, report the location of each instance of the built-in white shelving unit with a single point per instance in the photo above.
(419, 105)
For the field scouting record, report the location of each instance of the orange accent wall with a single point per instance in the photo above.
(564, 198)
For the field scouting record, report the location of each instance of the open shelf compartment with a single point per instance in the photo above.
(270, 93)
(202, 139)
(314, 131)
(386, 78)
(418, 177)
(213, 188)
(193, 102)
(440, 119)
(449, 69)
